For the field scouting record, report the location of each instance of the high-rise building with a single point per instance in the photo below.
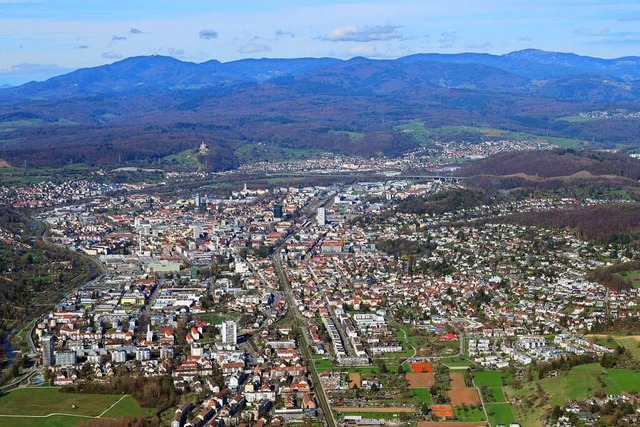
(230, 332)
(196, 232)
(47, 350)
(321, 217)
(149, 334)
(277, 210)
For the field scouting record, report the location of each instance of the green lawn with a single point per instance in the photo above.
(455, 361)
(323, 364)
(52, 421)
(497, 394)
(613, 341)
(631, 344)
(217, 318)
(44, 401)
(500, 413)
(469, 413)
(127, 407)
(423, 395)
(375, 415)
(488, 378)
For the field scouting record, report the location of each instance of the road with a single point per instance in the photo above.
(304, 344)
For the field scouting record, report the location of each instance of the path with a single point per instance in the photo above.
(106, 410)
(53, 414)
(484, 408)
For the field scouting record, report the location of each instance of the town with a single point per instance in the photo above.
(325, 304)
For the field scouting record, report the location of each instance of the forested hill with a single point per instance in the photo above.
(555, 163)
(142, 110)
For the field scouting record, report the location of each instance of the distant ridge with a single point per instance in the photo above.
(141, 110)
(551, 74)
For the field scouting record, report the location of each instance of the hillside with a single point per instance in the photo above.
(554, 164)
(142, 109)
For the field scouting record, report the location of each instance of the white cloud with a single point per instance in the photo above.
(282, 33)
(353, 33)
(31, 68)
(112, 55)
(254, 48)
(208, 34)
(175, 52)
(372, 51)
(592, 32)
(447, 39)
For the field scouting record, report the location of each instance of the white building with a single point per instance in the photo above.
(229, 332)
(321, 217)
(66, 358)
(143, 353)
(47, 350)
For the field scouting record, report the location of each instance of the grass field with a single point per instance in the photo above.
(500, 413)
(456, 361)
(184, 160)
(487, 379)
(422, 134)
(43, 401)
(582, 381)
(496, 395)
(499, 410)
(469, 413)
(322, 364)
(423, 395)
(52, 421)
(629, 342)
(217, 318)
(127, 407)
(633, 276)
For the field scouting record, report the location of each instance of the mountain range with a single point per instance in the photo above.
(146, 108)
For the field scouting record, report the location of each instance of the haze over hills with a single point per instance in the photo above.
(142, 109)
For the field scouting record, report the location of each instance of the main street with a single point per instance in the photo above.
(307, 213)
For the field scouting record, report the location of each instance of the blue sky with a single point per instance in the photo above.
(40, 39)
